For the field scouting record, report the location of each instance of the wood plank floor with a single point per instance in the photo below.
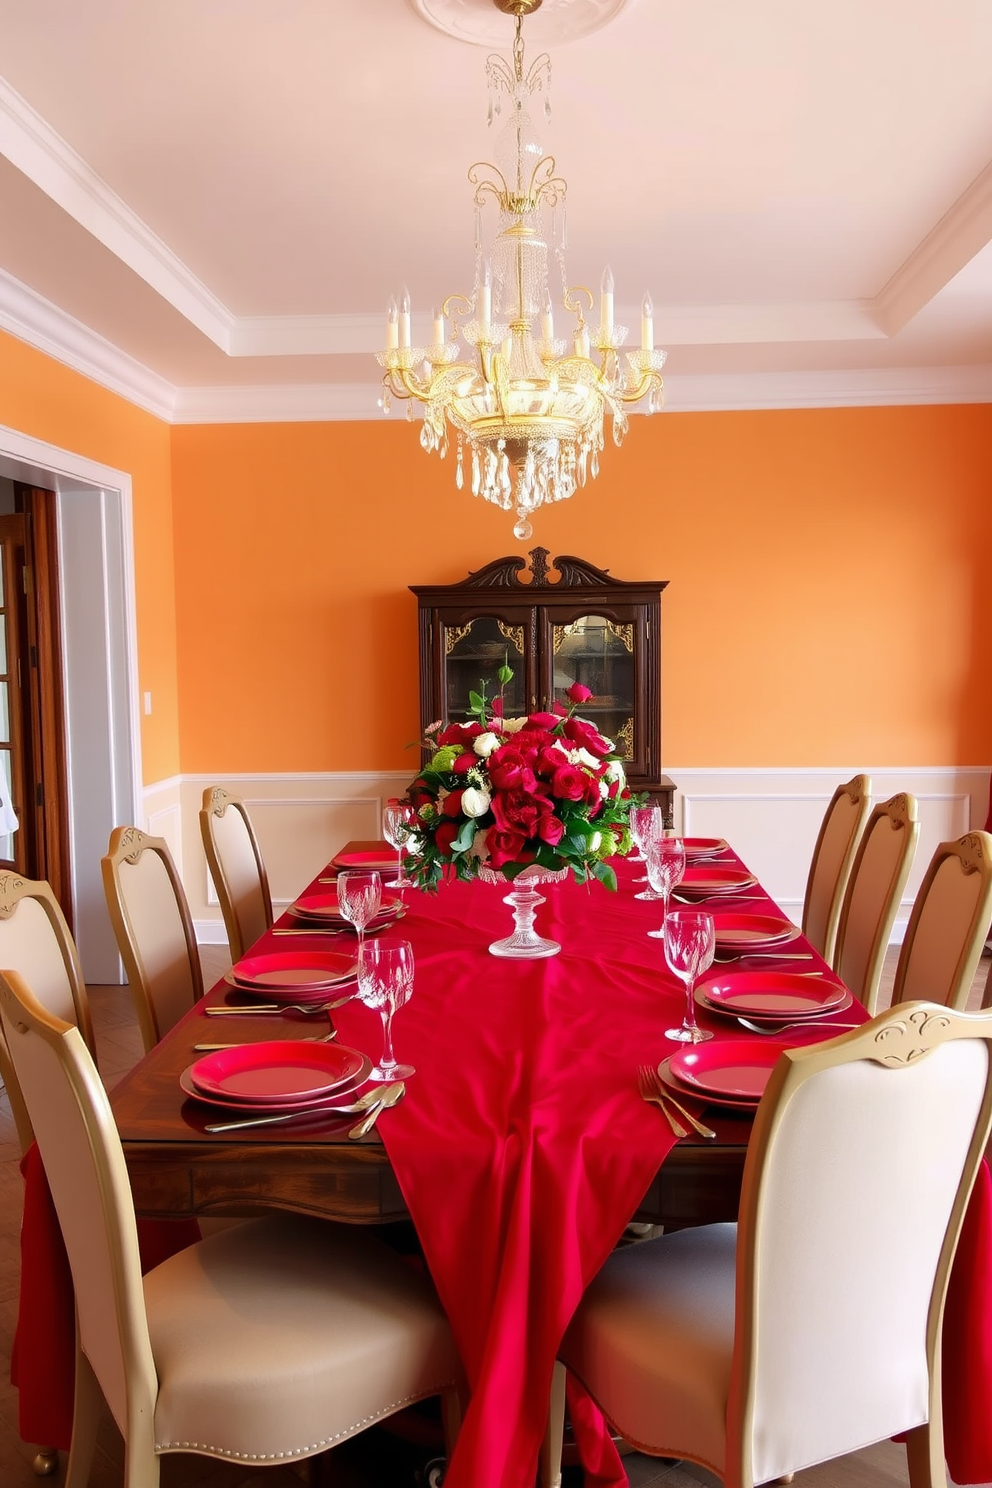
(376, 1460)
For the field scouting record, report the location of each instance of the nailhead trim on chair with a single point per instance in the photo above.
(295, 1453)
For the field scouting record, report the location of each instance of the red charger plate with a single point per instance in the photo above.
(340, 1093)
(276, 1070)
(735, 1069)
(325, 907)
(294, 971)
(709, 879)
(772, 994)
(382, 861)
(736, 930)
(704, 847)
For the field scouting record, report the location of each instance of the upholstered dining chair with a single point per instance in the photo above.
(36, 941)
(271, 1342)
(761, 1348)
(948, 925)
(236, 868)
(878, 877)
(830, 867)
(151, 921)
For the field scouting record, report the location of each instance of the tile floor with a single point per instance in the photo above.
(376, 1460)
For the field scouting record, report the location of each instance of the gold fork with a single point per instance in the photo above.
(649, 1093)
(662, 1090)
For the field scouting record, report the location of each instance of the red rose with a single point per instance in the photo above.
(543, 720)
(445, 836)
(460, 733)
(420, 793)
(506, 847)
(506, 766)
(464, 763)
(560, 708)
(569, 782)
(497, 707)
(453, 803)
(584, 736)
(551, 830)
(520, 811)
(578, 693)
(548, 762)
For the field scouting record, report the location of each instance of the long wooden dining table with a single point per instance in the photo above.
(522, 1148)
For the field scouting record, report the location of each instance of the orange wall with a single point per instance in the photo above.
(42, 398)
(825, 607)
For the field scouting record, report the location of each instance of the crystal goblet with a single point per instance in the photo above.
(385, 983)
(690, 941)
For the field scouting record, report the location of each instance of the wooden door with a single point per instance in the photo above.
(36, 746)
(15, 738)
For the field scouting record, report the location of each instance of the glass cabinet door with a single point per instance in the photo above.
(473, 654)
(599, 653)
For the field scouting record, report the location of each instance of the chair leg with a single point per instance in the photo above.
(85, 1420)
(549, 1468)
(925, 1457)
(46, 1461)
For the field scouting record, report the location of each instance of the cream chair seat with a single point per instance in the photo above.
(878, 876)
(236, 868)
(268, 1343)
(949, 924)
(830, 867)
(154, 931)
(762, 1349)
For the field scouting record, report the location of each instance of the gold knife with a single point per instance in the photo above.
(390, 1095)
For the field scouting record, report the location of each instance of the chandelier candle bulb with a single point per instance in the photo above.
(647, 324)
(405, 320)
(392, 326)
(548, 322)
(438, 329)
(486, 297)
(606, 305)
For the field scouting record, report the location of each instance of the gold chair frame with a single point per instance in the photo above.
(217, 801)
(126, 846)
(902, 815)
(973, 853)
(897, 1039)
(858, 792)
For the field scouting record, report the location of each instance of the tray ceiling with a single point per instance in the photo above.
(213, 203)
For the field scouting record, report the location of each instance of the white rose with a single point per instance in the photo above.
(475, 802)
(615, 771)
(484, 744)
(513, 725)
(583, 757)
(604, 788)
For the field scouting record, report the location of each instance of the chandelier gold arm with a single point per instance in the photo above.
(449, 308)
(485, 185)
(572, 302)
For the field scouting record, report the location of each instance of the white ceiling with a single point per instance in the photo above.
(207, 203)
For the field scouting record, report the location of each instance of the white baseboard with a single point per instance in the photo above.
(770, 815)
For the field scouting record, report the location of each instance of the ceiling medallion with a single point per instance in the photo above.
(526, 408)
(558, 22)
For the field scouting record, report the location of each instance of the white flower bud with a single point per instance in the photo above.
(513, 725)
(595, 841)
(583, 757)
(475, 802)
(484, 744)
(615, 771)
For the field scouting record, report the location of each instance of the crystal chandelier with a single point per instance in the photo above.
(527, 410)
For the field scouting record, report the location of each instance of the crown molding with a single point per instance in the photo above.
(963, 231)
(31, 144)
(35, 320)
(864, 388)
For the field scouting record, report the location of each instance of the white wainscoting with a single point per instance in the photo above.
(771, 817)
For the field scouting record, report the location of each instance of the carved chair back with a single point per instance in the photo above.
(236, 868)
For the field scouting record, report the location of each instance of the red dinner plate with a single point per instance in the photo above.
(294, 971)
(734, 1069)
(736, 930)
(682, 1089)
(340, 1093)
(382, 861)
(773, 994)
(276, 1070)
(709, 879)
(704, 847)
(325, 907)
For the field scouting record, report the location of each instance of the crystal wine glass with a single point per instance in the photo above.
(689, 945)
(385, 982)
(359, 897)
(398, 821)
(647, 823)
(666, 865)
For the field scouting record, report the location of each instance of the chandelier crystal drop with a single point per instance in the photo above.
(527, 410)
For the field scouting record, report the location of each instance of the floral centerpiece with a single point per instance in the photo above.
(506, 794)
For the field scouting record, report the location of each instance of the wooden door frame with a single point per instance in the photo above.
(104, 771)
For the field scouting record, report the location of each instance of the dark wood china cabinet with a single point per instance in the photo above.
(583, 626)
